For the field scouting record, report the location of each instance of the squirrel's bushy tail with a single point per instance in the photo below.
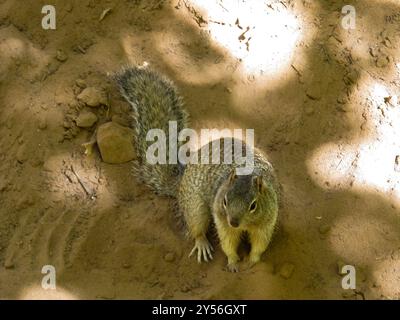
(155, 102)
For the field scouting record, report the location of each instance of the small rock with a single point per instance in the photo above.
(372, 52)
(342, 99)
(395, 254)
(397, 163)
(387, 43)
(169, 257)
(286, 270)
(314, 93)
(126, 266)
(8, 263)
(86, 119)
(185, 288)
(42, 124)
(61, 56)
(93, 97)
(391, 100)
(351, 77)
(81, 83)
(324, 229)
(21, 155)
(115, 143)
(36, 162)
(51, 165)
(309, 110)
(67, 124)
(3, 185)
(382, 61)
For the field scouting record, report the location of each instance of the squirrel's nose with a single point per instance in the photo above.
(233, 222)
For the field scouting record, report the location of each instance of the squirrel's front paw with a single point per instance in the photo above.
(232, 267)
(204, 250)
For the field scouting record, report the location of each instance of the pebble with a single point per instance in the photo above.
(81, 83)
(351, 77)
(169, 257)
(391, 100)
(36, 162)
(93, 97)
(286, 270)
(115, 143)
(396, 254)
(372, 52)
(21, 155)
(397, 163)
(382, 61)
(3, 185)
(387, 43)
(342, 99)
(42, 124)
(86, 119)
(8, 263)
(324, 229)
(67, 124)
(309, 110)
(314, 93)
(61, 56)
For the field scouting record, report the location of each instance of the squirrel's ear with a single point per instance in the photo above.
(259, 183)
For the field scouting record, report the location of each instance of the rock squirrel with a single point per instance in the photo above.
(237, 204)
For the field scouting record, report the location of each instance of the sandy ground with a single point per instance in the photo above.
(320, 98)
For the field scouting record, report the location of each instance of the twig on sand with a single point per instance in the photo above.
(87, 191)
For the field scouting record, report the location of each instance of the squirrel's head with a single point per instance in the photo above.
(244, 200)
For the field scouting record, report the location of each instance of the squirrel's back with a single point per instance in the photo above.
(155, 102)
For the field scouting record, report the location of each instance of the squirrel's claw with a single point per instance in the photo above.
(204, 250)
(232, 267)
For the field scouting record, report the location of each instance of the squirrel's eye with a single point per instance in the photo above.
(224, 202)
(253, 206)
